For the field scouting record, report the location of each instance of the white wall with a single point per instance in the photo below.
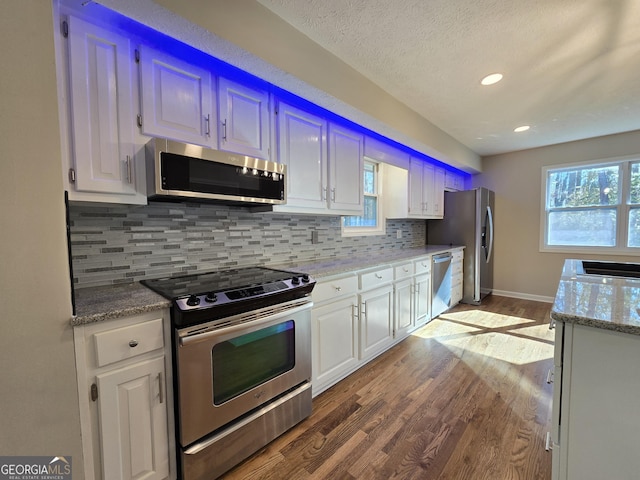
(516, 178)
(38, 394)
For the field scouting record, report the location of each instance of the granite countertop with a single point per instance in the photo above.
(335, 266)
(96, 304)
(607, 302)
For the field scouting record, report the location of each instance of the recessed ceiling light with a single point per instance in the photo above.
(523, 128)
(491, 79)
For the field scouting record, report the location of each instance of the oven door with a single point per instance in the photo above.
(228, 367)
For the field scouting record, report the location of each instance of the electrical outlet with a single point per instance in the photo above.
(398, 233)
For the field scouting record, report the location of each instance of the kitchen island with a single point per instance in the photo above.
(596, 376)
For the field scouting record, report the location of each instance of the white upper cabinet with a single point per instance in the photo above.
(104, 166)
(324, 164)
(426, 190)
(435, 204)
(345, 190)
(244, 119)
(453, 181)
(302, 148)
(417, 191)
(176, 99)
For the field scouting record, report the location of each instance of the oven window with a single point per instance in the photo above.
(252, 359)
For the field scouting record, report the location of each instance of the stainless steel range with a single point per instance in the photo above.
(242, 362)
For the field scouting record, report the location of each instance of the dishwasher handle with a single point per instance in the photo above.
(441, 258)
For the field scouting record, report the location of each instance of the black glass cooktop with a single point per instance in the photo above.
(218, 281)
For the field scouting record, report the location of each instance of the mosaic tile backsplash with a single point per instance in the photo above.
(113, 244)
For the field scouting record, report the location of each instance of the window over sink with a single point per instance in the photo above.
(371, 222)
(592, 207)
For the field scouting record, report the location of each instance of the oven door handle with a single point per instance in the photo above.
(190, 339)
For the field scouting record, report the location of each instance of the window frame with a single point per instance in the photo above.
(623, 208)
(380, 228)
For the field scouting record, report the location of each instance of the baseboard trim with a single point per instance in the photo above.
(523, 296)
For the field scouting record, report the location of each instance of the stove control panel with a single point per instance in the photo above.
(214, 299)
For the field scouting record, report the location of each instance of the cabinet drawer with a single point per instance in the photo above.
(423, 265)
(376, 278)
(126, 342)
(330, 289)
(456, 280)
(403, 271)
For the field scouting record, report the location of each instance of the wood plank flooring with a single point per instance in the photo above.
(464, 397)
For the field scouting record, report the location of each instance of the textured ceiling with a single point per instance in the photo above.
(571, 67)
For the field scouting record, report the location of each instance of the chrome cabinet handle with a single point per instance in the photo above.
(333, 194)
(207, 125)
(338, 289)
(547, 443)
(550, 376)
(378, 276)
(160, 390)
(133, 343)
(224, 130)
(128, 166)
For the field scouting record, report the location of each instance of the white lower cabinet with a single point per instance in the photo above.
(597, 422)
(456, 277)
(133, 421)
(334, 331)
(404, 301)
(359, 315)
(376, 321)
(126, 404)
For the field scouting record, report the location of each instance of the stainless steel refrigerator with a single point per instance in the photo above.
(468, 221)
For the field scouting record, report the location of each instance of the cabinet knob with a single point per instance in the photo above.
(378, 276)
(133, 343)
(338, 289)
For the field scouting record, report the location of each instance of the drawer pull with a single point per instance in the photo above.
(338, 289)
(405, 269)
(550, 376)
(133, 343)
(378, 276)
(552, 324)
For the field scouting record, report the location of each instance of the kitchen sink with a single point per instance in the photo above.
(611, 269)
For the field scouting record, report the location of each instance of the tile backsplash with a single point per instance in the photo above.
(113, 244)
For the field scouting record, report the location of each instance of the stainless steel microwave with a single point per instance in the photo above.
(183, 171)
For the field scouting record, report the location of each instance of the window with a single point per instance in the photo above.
(370, 222)
(592, 207)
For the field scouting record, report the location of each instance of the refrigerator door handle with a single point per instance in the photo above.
(489, 219)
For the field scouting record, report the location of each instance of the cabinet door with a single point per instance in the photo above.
(244, 119)
(422, 299)
(302, 140)
(133, 421)
(346, 170)
(376, 321)
(176, 99)
(416, 199)
(404, 311)
(102, 123)
(335, 342)
(437, 193)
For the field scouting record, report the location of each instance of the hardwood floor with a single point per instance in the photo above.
(464, 397)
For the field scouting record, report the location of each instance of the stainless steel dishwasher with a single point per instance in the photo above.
(440, 283)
